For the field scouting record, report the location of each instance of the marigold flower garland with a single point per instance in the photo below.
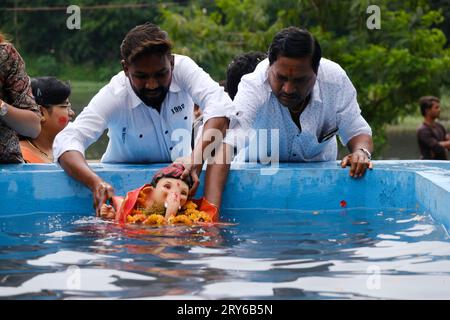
(154, 216)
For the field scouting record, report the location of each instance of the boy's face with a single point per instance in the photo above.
(435, 110)
(176, 188)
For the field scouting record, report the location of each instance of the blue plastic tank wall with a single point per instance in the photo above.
(306, 186)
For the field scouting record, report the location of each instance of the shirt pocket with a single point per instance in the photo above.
(327, 134)
(314, 146)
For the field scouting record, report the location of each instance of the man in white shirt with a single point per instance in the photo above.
(308, 99)
(147, 109)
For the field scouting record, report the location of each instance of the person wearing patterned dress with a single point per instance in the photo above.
(19, 113)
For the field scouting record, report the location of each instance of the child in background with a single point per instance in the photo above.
(52, 97)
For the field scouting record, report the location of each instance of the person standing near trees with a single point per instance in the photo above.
(19, 113)
(308, 99)
(433, 139)
(142, 107)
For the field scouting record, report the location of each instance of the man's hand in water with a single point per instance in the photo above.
(102, 192)
(107, 212)
(190, 169)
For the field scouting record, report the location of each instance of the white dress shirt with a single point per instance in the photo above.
(332, 110)
(138, 133)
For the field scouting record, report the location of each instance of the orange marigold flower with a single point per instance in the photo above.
(154, 220)
(182, 219)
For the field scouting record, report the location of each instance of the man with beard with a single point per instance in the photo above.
(307, 99)
(143, 107)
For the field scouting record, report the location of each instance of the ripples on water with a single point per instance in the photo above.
(267, 254)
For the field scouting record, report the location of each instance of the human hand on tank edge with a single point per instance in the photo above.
(358, 162)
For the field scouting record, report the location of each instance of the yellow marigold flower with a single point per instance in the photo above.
(136, 218)
(190, 205)
(154, 220)
(183, 219)
(200, 216)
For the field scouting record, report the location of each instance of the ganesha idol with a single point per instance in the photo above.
(163, 201)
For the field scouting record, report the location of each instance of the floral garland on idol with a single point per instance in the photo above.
(154, 216)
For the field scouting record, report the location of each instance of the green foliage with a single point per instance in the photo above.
(390, 68)
(94, 47)
(45, 64)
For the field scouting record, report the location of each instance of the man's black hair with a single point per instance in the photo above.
(49, 91)
(294, 42)
(426, 103)
(146, 38)
(241, 65)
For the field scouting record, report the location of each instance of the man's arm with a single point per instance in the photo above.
(358, 159)
(217, 173)
(445, 144)
(75, 165)
(426, 138)
(212, 135)
(73, 140)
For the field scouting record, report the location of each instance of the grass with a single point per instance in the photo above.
(412, 122)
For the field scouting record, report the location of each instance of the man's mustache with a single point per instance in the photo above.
(153, 91)
(290, 96)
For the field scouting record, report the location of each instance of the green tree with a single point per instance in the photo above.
(390, 68)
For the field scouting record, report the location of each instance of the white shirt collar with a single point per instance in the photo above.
(316, 96)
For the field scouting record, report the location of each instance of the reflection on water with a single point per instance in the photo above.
(270, 254)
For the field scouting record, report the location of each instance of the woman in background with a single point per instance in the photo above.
(19, 113)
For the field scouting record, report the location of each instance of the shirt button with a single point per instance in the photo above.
(166, 132)
(294, 155)
(185, 118)
(140, 136)
(170, 148)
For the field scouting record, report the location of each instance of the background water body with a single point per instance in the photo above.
(267, 254)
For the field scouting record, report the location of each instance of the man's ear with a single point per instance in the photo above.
(124, 67)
